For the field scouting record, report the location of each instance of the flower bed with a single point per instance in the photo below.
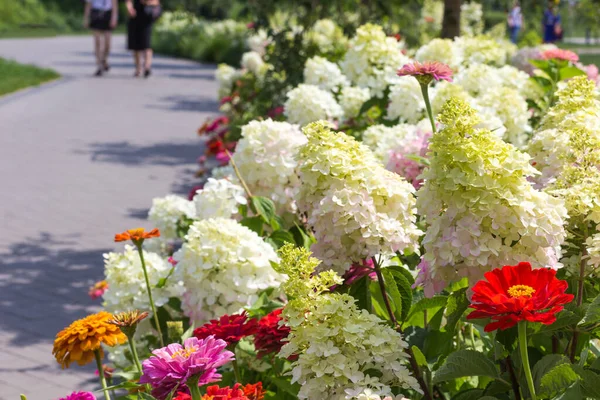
(388, 223)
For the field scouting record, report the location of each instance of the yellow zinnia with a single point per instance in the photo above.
(83, 337)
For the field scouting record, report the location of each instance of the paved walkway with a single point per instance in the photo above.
(81, 159)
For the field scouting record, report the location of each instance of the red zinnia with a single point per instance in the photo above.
(230, 328)
(517, 293)
(560, 54)
(269, 334)
(182, 396)
(427, 71)
(226, 393)
(254, 391)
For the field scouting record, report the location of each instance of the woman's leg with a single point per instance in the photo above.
(107, 38)
(147, 61)
(136, 58)
(98, 51)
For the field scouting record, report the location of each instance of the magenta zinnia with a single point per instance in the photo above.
(172, 366)
(80, 396)
(427, 71)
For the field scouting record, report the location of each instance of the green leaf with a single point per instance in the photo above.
(285, 386)
(497, 387)
(263, 207)
(564, 319)
(276, 223)
(541, 64)
(557, 379)
(400, 269)
(569, 72)
(255, 224)
(280, 238)
(456, 306)
(145, 396)
(188, 333)
(373, 101)
(377, 301)
(437, 344)
(465, 363)
(399, 290)
(591, 317)
(419, 357)
(573, 392)
(360, 291)
(415, 316)
(590, 382)
(469, 394)
(544, 366)
(123, 385)
(301, 237)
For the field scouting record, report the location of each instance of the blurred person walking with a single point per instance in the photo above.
(143, 14)
(101, 16)
(515, 22)
(552, 24)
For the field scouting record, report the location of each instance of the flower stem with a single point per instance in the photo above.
(237, 173)
(101, 374)
(236, 372)
(425, 91)
(154, 313)
(192, 384)
(413, 362)
(134, 354)
(525, 357)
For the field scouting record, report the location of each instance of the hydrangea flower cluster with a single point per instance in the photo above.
(253, 62)
(308, 103)
(259, 42)
(406, 100)
(512, 110)
(480, 210)
(401, 159)
(356, 208)
(471, 18)
(326, 35)
(441, 50)
(567, 149)
(593, 251)
(126, 286)
(226, 76)
(484, 50)
(218, 199)
(352, 99)
(266, 159)
(326, 75)
(223, 266)
(382, 140)
(167, 211)
(372, 59)
(338, 344)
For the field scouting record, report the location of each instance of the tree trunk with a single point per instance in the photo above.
(451, 22)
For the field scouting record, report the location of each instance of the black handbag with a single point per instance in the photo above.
(153, 13)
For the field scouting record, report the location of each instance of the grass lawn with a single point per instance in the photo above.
(15, 76)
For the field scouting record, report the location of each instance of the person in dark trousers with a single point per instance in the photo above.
(142, 14)
(551, 24)
(101, 16)
(515, 22)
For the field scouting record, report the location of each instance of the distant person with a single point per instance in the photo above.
(515, 22)
(142, 15)
(101, 16)
(551, 24)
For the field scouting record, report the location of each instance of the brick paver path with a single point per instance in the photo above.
(81, 159)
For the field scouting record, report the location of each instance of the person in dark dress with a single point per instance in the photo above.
(142, 14)
(551, 24)
(101, 16)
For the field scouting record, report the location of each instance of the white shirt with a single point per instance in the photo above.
(103, 5)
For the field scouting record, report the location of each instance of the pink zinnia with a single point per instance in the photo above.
(425, 72)
(222, 158)
(560, 54)
(80, 396)
(98, 289)
(174, 365)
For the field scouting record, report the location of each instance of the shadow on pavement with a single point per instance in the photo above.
(125, 153)
(186, 103)
(44, 283)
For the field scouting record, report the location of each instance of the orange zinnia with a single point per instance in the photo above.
(136, 235)
(80, 340)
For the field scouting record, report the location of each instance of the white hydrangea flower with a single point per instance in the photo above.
(308, 103)
(266, 158)
(356, 208)
(513, 78)
(492, 216)
(352, 99)
(223, 266)
(471, 18)
(443, 91)
(548, 149)
(224, 172)
(382, 140)
(226, 75)
(127, 286)
(324, 74)
(478, 79)
(253, 62)
(336, 342)
(259, 42)
(326, 35)
(483, 50)
(373, 59)
(512, 110)
(406, 100)
(441, 50)
(593, 251)
(167, 211)
(219, 198)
